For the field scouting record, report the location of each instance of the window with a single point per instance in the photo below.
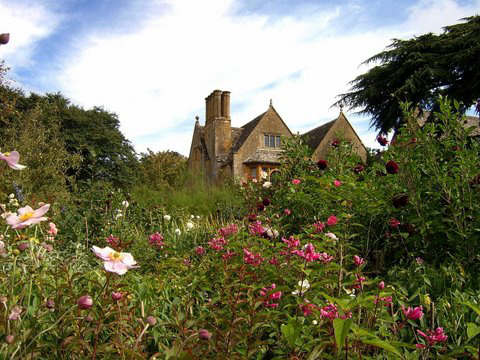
(253, 172)
(273, 141)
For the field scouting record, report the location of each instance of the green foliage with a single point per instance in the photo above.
(163, 170)
(418, 71)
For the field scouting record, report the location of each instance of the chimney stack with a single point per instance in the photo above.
(226, 105)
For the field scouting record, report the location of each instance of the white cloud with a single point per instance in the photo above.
(27, 23)
(158, 76)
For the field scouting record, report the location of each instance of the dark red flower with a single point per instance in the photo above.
(322, 164)
(413, 140)
(260, 207)
(266, 202)
(391, 167)
(252, 217)
(382, 140)
(4, 39)
(400, 200)
(410, 228)
(204, 334)
(335, 142)
(358, 169)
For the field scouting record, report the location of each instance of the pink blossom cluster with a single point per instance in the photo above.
(309, 254)
(228, 230)
(256, 228)
(413, 314)
(386, 301)
(432, 337)
(331, 312)
(308, 308)
(319, 226)
(394, 223)
(359, 280)
(156, 240)
(332, 220)
(251, 258)
(217, 243)
(228, 255)
(199, 250)
(291, 242)
(358, 260)
(270, 299)
(113, 241)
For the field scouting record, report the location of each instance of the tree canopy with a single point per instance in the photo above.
(418, 71)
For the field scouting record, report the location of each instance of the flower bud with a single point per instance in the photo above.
(4, 39)
(22, 246)
(204, 334)
(16, 252)
(116, 296)
(9, 339)
(381, 285)
(50, 304)
(85, 302)
(151, 320)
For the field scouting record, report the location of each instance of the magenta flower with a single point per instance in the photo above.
(113, 241)
(228, 230)
(12, 160)
(270, 299)
(117, 296)
(358, 260)
(256, 228)
(358, 169)
(413, 314)
(381, 285)
(332, 220)
(287, 212)
(199, 250)
(114, 261)
(319, 226)
(291, 242)
(204, 334)
(308, 308)
(251, 258)
(156, 240)
(382, 140)
(296, 181)
(386, 301)
(325, 258)
(27, 216)
(433, 337)
(217, 243)
(337, 183)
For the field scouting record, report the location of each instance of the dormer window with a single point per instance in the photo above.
(272, 141)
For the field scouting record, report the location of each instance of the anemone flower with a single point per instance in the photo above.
(12, 160)
(115, 261)
(27, 216)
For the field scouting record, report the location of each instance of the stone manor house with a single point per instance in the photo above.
(219, 150)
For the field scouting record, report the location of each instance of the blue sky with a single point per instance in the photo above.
(154, 62)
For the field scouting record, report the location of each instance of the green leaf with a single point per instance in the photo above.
(472, 330)
(291, 332)
(471, 306)
(342, 328)
(382, 344)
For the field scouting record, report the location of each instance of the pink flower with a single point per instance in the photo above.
(204, 334)
(117, 296)
(217, 243)
(112, 241)
(287, 212)
(358, 260)
(359, 280)
(413, 314)
(296, 181)
(12, 160)
(27, 216)
(156, 240)
(291, 242)
(114, 261)
(324, 258)
(381, 285)
(419, 261)
(53, 229)
(385, 300)
(85, 302)
(228, 230)
(228, 255)
(394, 223)
(331, 236)
(337, 183)
(270, 298)
(256, 228)
(433, 337)
(332, 220)
(251, 258)
(319, 226)
(199, 250)
(15, 314)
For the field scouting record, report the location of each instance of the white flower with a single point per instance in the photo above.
(267, 184)
(189, 225)
(314, 322)
(303, 286)
(254, 180)
(178, 232)
(264, 175)
(198, 217)
(331, 236)
(11, 196)
(167, 217)
(275, 233)
(192, 216)
(125, 204)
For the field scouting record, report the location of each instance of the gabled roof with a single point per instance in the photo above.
(314, 137)
(246, 131)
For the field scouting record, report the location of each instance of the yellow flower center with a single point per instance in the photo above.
(115, 256)
(6, 154)
(26, 216)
